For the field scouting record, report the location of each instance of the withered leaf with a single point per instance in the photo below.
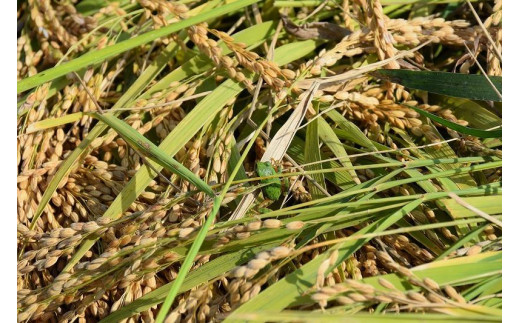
(315, 30)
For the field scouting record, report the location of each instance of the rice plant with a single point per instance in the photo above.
(259, 161)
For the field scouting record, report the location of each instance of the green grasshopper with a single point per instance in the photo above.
(273, 190)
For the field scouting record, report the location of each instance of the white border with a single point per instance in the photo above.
(8, 162)
(510, 118)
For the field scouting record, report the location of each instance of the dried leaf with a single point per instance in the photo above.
(315, 30)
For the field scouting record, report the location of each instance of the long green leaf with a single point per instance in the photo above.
(469, 86)
(457, 127)
(468, 110)
(149, 149)
(354, 133)
(312, 154)
(332, 141)
(488, 204)
(465, 239)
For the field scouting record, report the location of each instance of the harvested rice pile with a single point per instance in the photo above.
(380, 191)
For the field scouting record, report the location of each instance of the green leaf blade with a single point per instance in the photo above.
(469, 86)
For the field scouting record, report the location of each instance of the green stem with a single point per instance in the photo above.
(388, 200)
(149, 149)
(385, 186)
(407, 165)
